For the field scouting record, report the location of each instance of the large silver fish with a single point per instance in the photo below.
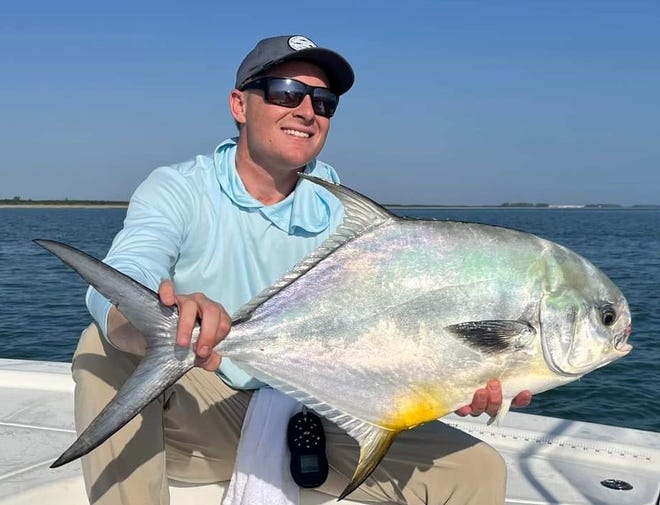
(389, 324)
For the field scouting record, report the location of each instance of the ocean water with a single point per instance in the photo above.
(42, 307)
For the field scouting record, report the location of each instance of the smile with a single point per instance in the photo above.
(296, 133)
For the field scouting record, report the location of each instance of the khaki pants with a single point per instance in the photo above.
(191, 434)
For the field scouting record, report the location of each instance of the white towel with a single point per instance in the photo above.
(261, 473)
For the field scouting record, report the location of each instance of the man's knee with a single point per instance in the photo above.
(484, 460)
(482, 477)
(89, 340)
(95, 359)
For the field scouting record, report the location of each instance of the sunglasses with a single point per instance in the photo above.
(290, 93)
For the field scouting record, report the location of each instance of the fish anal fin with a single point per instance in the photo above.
(374, 443)
(374, 440)
(493, 336)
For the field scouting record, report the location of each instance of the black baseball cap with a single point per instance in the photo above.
(275, 50)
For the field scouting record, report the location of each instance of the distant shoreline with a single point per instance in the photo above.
(73, 204)
(61, 204)
(530, 207)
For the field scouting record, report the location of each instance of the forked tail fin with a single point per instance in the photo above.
(163, 364)
(157, 371)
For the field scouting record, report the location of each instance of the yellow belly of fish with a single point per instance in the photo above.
(408, 411)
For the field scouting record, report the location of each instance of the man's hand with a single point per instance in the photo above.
(489, 400)
(215, 323)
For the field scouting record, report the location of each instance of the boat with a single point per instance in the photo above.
(550, 461)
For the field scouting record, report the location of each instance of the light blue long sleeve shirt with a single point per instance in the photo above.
(195, 223)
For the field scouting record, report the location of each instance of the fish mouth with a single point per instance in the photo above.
(621, 341)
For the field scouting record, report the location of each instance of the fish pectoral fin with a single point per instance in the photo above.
(374, 443)
(495, 335)
(501, 414)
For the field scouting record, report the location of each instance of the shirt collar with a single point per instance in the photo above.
(307, 208)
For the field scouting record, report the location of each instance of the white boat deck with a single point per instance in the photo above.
(550, 461)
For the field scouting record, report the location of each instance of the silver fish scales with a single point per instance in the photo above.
(391, 323)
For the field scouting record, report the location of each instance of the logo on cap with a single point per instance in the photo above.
(299, 42)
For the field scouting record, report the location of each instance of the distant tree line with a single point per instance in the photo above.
(17, 200)
(524, 204)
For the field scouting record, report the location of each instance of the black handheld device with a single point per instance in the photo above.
(306, 441)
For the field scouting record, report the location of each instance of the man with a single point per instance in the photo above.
(221, 228)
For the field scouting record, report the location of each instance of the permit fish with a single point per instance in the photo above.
(389, 324)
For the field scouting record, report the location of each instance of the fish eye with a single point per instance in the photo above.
(607, 315)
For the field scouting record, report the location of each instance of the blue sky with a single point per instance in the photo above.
(455, 102)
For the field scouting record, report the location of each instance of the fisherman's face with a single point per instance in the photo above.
(277, 137)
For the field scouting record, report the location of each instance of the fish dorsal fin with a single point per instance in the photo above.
(361, 214)
(493, 336)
